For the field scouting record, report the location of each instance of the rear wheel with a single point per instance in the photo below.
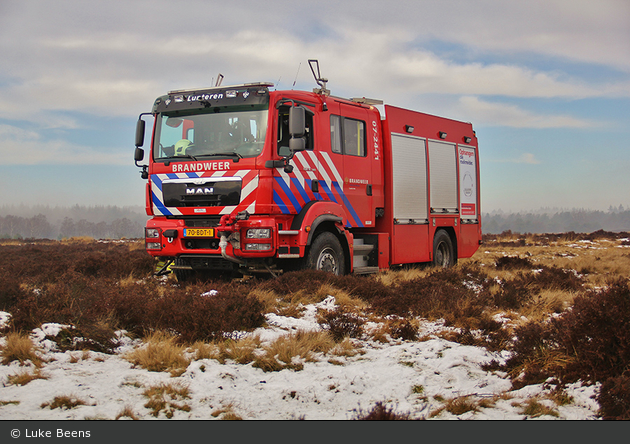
(326, 254)
(443, 251)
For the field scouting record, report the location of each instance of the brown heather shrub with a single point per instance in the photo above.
(48, 262)
(341, 324)
(445, 293)
(522, 289)
(597, 332)
(589, 342)
(512, 263)
(380, 412)
(311, 282)
(403, 329)
(10, 290)
(196, 317)
(614, 398)
(535, 356)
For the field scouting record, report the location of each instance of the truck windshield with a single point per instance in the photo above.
(229, 133)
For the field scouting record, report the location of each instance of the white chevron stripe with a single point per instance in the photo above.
(332, 167)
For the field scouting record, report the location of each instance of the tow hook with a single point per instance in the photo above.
(226, 229)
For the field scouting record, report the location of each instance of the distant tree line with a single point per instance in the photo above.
(558, 221)
(108, 222)
(95, 222)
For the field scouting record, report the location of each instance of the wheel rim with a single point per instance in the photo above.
(442, 255)
(327, 261)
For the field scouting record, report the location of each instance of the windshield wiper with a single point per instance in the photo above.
(230, 154)
(188, 156)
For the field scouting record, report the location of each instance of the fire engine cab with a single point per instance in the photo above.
(248, 179)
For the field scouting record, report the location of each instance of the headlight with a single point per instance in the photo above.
(258, 233)
(257, 247)
(151, 233)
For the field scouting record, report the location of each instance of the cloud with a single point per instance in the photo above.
(499, 114)
(525, 158)
(24, 147)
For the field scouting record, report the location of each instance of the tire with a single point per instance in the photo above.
(443, 251)
(326, 254)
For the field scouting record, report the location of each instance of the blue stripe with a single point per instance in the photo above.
(156, 200)
(346, 202)
(278, 201)
(172, 176)
(309, 183)
(289, 194)
(328, 192)
(301, 190)
(160, 206)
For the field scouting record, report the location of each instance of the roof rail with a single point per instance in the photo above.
(366, 101)
(242, 85)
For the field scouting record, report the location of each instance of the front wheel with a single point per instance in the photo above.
(443, 251)
(326, 254)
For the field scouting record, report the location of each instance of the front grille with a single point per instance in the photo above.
(202, 222)
(208, 194)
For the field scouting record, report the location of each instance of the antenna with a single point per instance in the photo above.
(219, 80)
(318, 78)
(296, 75)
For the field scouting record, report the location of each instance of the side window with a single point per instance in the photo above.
(335, 134)
(354, 137)
(347, 136)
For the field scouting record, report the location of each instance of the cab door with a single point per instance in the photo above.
(349, 140)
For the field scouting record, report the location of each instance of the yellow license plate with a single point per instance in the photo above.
(199, 232)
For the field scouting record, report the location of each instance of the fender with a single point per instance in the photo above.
(313, 214)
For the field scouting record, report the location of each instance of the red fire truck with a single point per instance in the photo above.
(249, 179)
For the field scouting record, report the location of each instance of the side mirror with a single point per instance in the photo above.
(297, 128)
(140, 126)
(139, 154)
(297, 144)
(297, 121)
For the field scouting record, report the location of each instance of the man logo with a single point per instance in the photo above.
(200, 190)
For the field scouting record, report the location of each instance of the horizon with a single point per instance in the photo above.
(546, 85)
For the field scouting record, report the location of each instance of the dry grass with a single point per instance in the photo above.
(226, 413)
(343, 299)
(241, 351)
(545, 360)
(392, 277)
(167, 398)
(596, 260)
(23, 377)
(161, 353)
(20, 347)
(65, 402)
(127, 413)
(293, 350)
(268, 297)
(533, 408)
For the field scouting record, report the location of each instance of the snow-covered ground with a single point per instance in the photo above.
(415, 378)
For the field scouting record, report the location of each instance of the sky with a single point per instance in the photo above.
(545, 83)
